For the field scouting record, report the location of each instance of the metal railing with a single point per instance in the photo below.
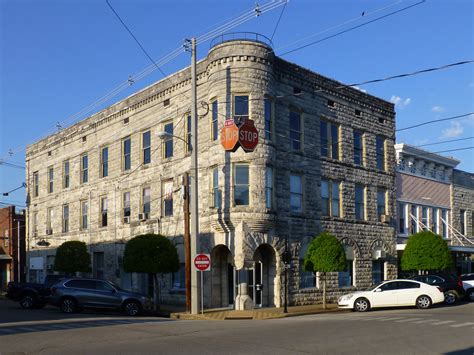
(246, 36)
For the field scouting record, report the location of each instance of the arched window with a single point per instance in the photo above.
(347, 277)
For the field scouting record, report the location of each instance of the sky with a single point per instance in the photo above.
(58, 57)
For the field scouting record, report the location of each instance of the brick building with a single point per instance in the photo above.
(12, 246)
(325, 162)
(433, 195)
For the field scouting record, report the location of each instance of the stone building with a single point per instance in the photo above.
(12, 246)
(325, 162)
(433, 195)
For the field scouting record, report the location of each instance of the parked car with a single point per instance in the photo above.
(393, 293)
(32, 295)
(468, 284)
(450, 284)
(74, 294)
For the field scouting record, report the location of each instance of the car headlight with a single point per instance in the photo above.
(346, 297)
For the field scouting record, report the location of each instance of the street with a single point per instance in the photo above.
(440, 330)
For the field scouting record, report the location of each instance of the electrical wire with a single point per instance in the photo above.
(434, 121)
(279, 19)
(11, 165)
(443, 142)
(453, 150)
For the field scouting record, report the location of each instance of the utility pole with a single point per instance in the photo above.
(194, 179)
(187, 245)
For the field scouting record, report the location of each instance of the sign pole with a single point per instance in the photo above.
(202, 294)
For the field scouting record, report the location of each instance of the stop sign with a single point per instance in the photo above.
(230, 136)
(202, 262)
(248, 136)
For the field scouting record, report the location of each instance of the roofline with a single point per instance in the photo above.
(426, 155)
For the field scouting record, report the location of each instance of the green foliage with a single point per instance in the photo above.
(426, 251)
(71, 257)
(150, 253)
(325, 254)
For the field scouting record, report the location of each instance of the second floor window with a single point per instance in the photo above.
(330, 195)
(35, 184)
(104, 160)
(358, 148)
(84, 214)
(49, 220)
(359, 202)
(444, 224)
(329, 137)
(241, 185)
(215, 120)
(65, 218)
(50, 179)
(103, 211)
(268, 118)
(126, 204)
(146, 142)
(269, 187)
(241, 108)
(127, 153)
(381, 203)
(296, 193)
(146, 200)
(216, 193)
(295, 130)
(167, 192)
(380, 152)
(462, 221)
(66, 177)
(168, 143)
(84, 169)
(401, 218)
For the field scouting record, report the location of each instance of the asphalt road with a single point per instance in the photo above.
(441, 330)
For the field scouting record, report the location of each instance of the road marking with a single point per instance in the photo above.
(426, 321)
(388, 319)
(406, 320)
(461, 325)
(443, 322)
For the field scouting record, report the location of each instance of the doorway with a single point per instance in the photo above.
(222, 278)
(255, 278)
(262, 277)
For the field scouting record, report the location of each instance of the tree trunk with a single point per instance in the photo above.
(324, 290)
(156, 305)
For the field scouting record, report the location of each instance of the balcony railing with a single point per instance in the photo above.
(246, 36)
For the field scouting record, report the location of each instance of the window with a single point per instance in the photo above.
(307, 278)
(50, 179)
(424, 217)
(104, 162)
(65, 218)
(358, 148)
(35, 184)
(435, 219)
(329, 136)
(127, 153)
(84, 169)
(178, 278)
(146, 200)
(82, 284)
(462, 221)
(216, 195)
(103, 211)
(359, 202)
(34, 226)
(167, 191)
(84, 214)
(380, 151)
(215, 120)
(295, 130)
(66, 178)
(330, 195)
(49, 219)
(414, 217)
(269, 187)
(401, 218)
(296, 193)
(146, 147)
(381, 193)
(189, 143)
(241, 108)
(98, 258)
(401, 285)
(168, 143)
(268, 112)
(346, 277)
(126, 204)
(241, 185)
(378, 271)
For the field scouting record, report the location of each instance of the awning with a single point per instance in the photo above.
(5, 257)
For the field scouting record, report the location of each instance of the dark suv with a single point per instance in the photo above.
(73, 294)
(450, 284)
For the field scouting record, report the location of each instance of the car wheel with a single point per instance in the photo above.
(423, 302)
(68, 305)
(131, 308)
(470, 294)
(450, 297)
(27, 301)
(361, 305)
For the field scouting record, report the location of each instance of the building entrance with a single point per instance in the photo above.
(255, 278)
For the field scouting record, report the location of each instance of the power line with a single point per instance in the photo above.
(443, 142)
(434, 121)
(11, 165)
(453, 150)
(279, 19)
(353, 28)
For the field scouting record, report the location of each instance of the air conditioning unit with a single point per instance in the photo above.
(385, 218)
(379, 254)
(142, 216)
(126, 220)
(49, 231)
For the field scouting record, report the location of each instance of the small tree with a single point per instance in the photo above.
(151, 254)
(325, 254)
(72, 257)
(426, 251)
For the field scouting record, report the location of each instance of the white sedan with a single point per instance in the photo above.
(393, 293)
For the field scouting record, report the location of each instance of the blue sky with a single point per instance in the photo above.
(57, 57)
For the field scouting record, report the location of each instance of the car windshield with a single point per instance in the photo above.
(375, 286)
(117, 287)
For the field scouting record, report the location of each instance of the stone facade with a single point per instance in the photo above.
(249, 237)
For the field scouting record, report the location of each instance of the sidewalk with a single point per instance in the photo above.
(257, 314)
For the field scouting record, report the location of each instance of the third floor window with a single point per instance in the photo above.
(296, 132)
(358, 148)
(35, 184)
(215, 120)
(66, 177)
(329, 137)
(127, 153)
(50, 179)
(380, 152)
(84, 169)
(168, 143)
(104, 162)
(241, 108)
(146, 144)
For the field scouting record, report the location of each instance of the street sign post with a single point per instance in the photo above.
(202, 262)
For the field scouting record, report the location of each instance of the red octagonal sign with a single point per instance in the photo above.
(248, 136)
(202, 262)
